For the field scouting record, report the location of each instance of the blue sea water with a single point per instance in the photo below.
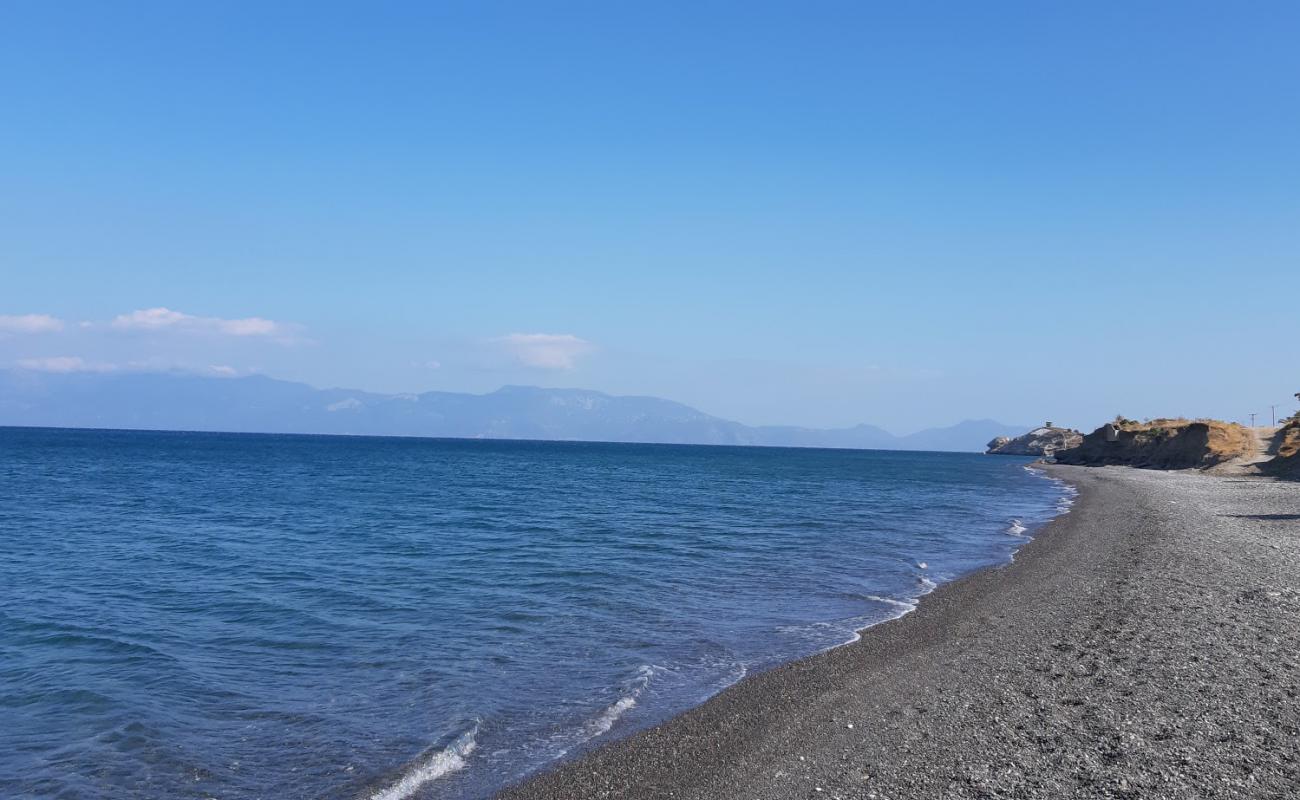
(194, 615)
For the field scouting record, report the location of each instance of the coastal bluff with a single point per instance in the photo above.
(1161, 444)
(1038, 442)
(1285, 451)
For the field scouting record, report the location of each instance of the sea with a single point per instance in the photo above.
(229, 616)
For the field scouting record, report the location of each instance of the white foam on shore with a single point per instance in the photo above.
(444, 762)
(902, 607)
(928, 584)
(736, 675)
(853, 628)
(606, 719)
(1068, 492)
(905, 605)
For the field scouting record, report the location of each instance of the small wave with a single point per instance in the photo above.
(905, 605)
(736, 675)
(609, 716)
(827, 635)
(558, 746)
(606, 719)
(1016, 528)
(448, 760)
(851, 629)
(1068, 493)
(926, 583)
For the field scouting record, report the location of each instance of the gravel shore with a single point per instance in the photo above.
(1145, 645)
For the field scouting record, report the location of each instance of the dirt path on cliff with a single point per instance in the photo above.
(1250, 464)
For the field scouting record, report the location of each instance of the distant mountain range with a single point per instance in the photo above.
(257, 404)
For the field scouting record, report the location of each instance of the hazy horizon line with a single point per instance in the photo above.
(212, 373)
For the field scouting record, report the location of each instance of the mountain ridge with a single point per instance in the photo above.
(260, 404)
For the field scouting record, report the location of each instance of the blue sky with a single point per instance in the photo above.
(808, 213)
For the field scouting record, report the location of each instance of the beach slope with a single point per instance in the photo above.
(1145, 645)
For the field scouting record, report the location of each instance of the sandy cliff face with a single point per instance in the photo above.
(1286, 459)
(1161, 444)
(1035, 443)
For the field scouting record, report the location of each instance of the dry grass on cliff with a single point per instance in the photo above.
(1288, 440)
(1230, 440)
(1227, 440)
(1286, 461)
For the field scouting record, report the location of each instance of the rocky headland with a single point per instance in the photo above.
(1038, 442)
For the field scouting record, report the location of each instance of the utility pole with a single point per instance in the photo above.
(1273, 410)
(1252, 420)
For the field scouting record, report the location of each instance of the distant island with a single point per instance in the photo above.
(258, 404)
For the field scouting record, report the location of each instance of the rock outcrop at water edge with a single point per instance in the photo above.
(1038, 442)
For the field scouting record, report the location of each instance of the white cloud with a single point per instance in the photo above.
(30, 323)
(64, 364)
(223, 371)
(546, 350)
(157, 319)
(251, 326)
(150, 319)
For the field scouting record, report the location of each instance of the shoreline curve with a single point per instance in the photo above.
(1062, 673)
